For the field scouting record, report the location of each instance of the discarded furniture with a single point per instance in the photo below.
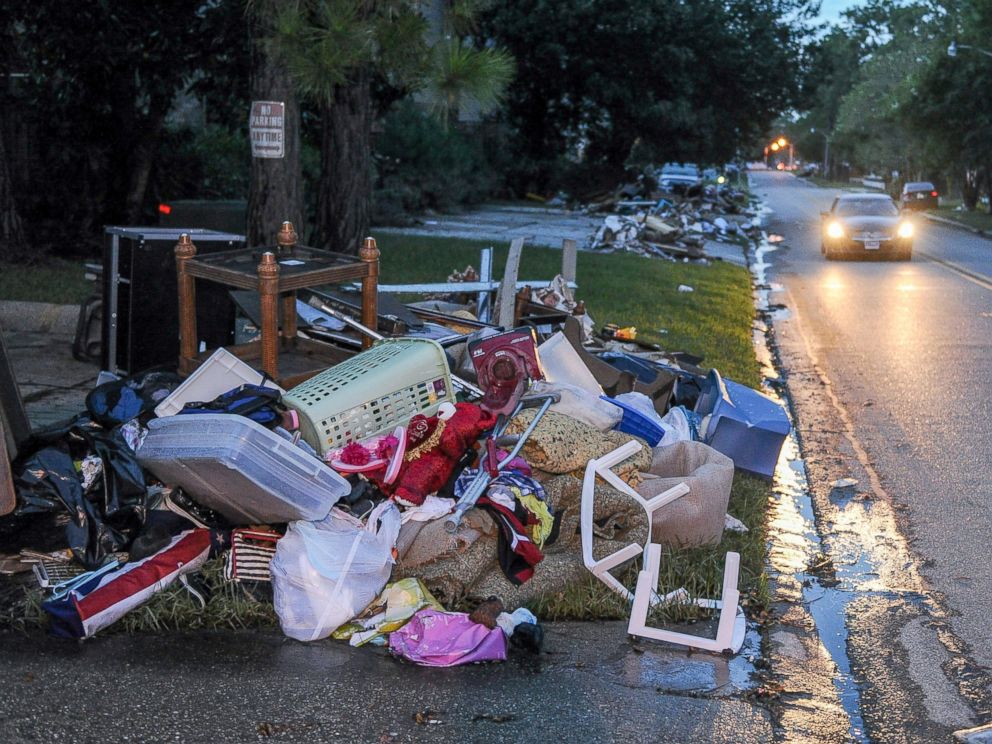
(275, 274)
(731, 626)
(601, 467)
(744, 424)
(139, 310)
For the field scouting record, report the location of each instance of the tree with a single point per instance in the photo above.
(102, 77)
(275, 192)
(336, 52)
(683, 80)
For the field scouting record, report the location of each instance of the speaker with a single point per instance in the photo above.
(140, 302)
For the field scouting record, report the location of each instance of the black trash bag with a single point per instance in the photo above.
(102, 520)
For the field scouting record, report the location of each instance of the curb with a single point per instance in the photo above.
(38, 317)
(958, 225)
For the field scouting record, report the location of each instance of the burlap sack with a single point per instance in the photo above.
(562, 444)
(698, 517)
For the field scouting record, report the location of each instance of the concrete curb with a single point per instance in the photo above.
(38, 317)
(958, 226)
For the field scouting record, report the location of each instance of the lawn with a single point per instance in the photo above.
(713, 321)
(979, 219)
(55, 280)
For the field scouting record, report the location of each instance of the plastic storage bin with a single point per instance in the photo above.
(746, 425)
(240, 469)
(372, 392)
(636, 423)
(221, 372)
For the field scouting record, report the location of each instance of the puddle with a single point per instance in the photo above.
(794, 544)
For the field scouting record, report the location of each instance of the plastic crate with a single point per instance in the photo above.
(221, 372)
(240, 469)
(372, 392)
(636, 423)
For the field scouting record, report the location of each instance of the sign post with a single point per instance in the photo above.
(267, 125)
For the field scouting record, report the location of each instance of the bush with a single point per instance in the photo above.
(421, 165)
(211, 163)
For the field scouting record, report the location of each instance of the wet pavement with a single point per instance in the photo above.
(590, 685)
(896, 579)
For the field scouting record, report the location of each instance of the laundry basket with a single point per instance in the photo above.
(372, 392)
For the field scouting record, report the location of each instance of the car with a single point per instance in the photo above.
(866, 224)
(680, 175)
(919, 195)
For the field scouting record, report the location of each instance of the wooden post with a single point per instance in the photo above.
(507, 292)
(268, 293)
(568, 259)
(369, 253)
(184, 251)
(286, 240)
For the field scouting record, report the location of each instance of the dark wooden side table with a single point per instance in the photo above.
(276, 273)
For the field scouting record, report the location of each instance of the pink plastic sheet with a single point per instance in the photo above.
(444, 639)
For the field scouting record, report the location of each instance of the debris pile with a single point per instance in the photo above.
(451, 465)
(682, 224)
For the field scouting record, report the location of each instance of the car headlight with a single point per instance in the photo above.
(835, 230)
(905, 230)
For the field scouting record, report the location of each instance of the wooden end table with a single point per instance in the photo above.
(276, 273)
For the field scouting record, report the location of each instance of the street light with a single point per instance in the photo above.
(952, 49)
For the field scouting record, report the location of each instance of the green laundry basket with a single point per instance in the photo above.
(371, 393)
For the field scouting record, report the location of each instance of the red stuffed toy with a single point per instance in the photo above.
(433, 448)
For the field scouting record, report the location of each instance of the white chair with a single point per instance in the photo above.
(601, 467)
(731, 626)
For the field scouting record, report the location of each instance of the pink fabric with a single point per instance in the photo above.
(444, 639)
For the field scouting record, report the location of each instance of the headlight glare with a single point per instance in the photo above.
(905, 230)
(835, 230)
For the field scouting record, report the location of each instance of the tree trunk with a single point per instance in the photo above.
(344, 197)
(969, 189)
(141, 161)
(12, 245)
(275, 192)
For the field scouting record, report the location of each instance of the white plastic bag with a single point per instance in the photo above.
(324, 573)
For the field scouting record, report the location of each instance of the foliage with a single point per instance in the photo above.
(683, 79)
(210, 163)
(421, 164)
(96, 101)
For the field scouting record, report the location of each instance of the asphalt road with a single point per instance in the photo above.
(889, 365)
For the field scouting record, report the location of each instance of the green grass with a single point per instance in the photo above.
(51, 280)
(713, 321)
(979, 219)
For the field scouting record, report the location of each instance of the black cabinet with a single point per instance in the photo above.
(140, 306)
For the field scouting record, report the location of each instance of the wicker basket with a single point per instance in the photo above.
(372, 392)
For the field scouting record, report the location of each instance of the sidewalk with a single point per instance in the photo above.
(957, 225)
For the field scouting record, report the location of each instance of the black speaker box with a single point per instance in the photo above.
(140, 303)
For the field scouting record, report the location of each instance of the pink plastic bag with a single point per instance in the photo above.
(444, 639)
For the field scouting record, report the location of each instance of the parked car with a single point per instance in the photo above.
(681, 175)
(919, 195)
(865, 224)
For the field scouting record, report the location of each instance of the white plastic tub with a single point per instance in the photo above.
(221, 372)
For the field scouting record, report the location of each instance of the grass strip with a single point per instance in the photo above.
(51, 280)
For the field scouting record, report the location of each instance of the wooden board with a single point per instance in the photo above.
(14, 427)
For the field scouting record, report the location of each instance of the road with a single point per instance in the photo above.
(888, 367)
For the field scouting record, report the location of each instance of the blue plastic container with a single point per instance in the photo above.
(636, 423)
(746, 425)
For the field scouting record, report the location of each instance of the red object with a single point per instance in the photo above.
(505, 363)
(165, 209)
(933, 193)
(430, 470)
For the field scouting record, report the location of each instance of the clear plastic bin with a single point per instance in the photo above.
(240, 469)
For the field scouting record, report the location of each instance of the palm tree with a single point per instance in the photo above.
(335, 49)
